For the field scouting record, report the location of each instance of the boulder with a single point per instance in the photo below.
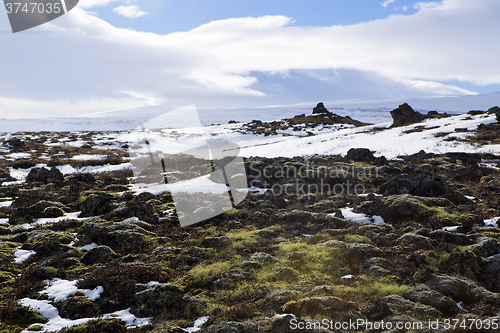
(485, 247)
(314, 306)
(157, 299)
(491, 272)
(234, 327)
(219, 243)
(357, 252)
(404, 115)
(263, 258)
(461, 290)
(495, 110)
(425, 295)
(420, 185)
(99, 254)
(402, 305)
(360, 155)
(97, 204)
(416, 241)
(378, 311)
(45, 176)
(77, 307)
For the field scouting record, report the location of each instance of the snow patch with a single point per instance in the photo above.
(89, 157)
(6, 203)
(360, 218)
(88, 247)
(59, 290)
(21, 256)
(492, 222)
(197, 324)
(450, 229)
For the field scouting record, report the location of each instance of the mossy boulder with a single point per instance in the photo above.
(46, 236)
(402, 305)
(416, 241)
(155, 300)
(313, 306)
(425, 295)
(45, 176)
(99, 254)
(490, 272)
(97, 204)
(118, 235)
(77, 307)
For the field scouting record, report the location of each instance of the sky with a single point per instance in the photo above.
(119, 54)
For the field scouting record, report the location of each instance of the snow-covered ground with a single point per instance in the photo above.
(431, 135)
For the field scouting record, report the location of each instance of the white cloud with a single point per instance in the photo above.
(425, 5)
(129, 11)
(89, 65)
(387, 3)
(93, 3)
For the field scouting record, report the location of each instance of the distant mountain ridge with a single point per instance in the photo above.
(365, 110)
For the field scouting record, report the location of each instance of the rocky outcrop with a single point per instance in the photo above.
(405, 115)
(320, 109)
(45, 176)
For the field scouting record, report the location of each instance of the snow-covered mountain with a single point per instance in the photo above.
(371, 111)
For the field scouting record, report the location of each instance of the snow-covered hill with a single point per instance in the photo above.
(370, 111)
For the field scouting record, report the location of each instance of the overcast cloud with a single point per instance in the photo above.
(83, 64)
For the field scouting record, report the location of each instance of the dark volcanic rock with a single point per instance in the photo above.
(77, 307)
(314, 305)
(425, 295)
(491, 272)
(495, 110)
(45, 176)
(234, 327)
(320, 109)
(99, 254)
(96, 204)
(419, 185)
(360, 155)
(378, 311)
(405, 115)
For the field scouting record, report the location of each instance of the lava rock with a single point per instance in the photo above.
(314, 306)
(425, 295)
(99, 254)
(320, 109)
(45, 176)
(404, 115)
(360, 155)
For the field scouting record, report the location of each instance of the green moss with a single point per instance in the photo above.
(62, 237)
(243, 237)
(200, 275)
(7, 251)
(17, 229)
(36, 328)
(232, 213)
(432, 259)
(4, 328)
(304, 263)
(6, 277)
(372, 287)
(357, 239)
(51, 271)
(99, 325)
